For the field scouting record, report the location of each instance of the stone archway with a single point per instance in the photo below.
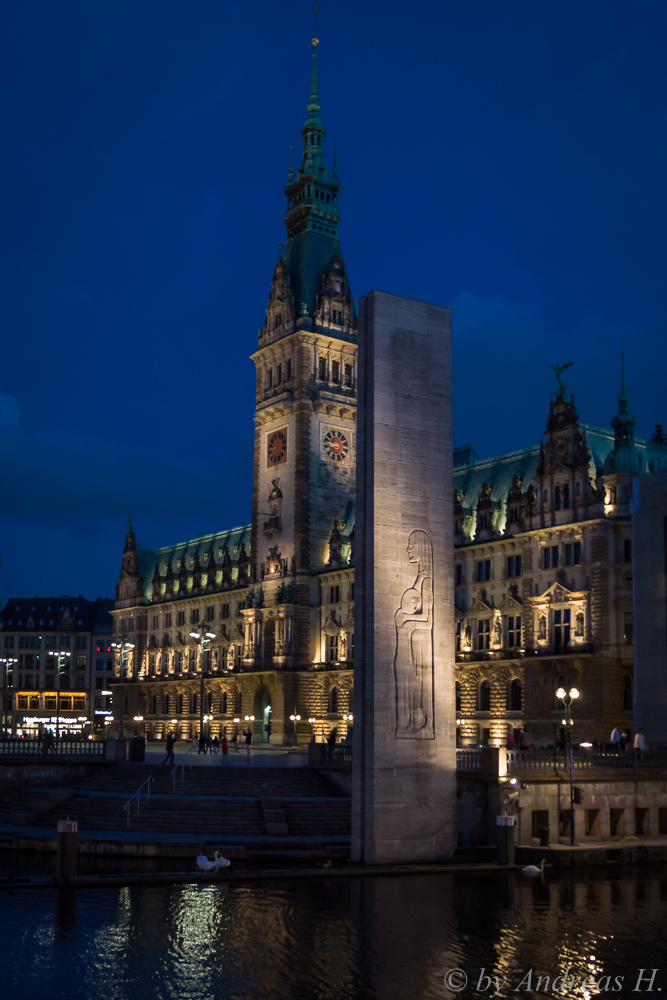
(262, 713)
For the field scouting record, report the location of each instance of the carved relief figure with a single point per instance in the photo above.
(468, 636)
(542, 629)
(413, 659)
(497, 633)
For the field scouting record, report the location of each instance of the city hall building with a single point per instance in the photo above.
(543, 561)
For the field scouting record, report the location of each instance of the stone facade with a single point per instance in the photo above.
(544, 581)
(404, 770)
(649, 548)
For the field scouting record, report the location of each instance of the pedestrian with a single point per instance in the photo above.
(511, 742)
(616, 738)
(639, 742)
(216, 744)
(525, 740)
(169, 759)
(331, 738)
(195, 742)
(209, 744)
(225, 748)
(202, 744)
(235, 740)
(248, 741)
(624, 739)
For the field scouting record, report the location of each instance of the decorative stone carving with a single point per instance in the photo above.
(413, 659)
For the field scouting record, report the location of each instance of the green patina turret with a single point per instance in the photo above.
(625, 458)
(312, 211)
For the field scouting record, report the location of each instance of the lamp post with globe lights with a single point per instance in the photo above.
(60, 658)
(122, 646)
(8, 662)
(567, 697)
(296, 719)
(204, 637)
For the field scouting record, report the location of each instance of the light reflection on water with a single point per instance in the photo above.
(331, 939)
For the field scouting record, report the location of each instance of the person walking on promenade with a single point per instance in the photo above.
(616, 738)
(202, 744)
(169, 759)
(225, 748)
(639, 742)
(248, 741)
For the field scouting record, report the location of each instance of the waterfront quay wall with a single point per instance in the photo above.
(609, 805)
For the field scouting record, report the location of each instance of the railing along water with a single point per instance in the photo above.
(57, 748)
(554, 760)
(137, 796)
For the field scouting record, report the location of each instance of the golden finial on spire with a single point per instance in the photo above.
(315, 40)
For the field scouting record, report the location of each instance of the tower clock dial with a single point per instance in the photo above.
(335, 446)
(276, 447)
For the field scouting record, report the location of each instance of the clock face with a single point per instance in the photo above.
(276, 447)
(335, 446)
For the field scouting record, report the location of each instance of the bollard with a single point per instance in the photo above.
(505, 840)
(67, 847)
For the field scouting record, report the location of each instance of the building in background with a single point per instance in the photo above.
(33, 632)
(277, 594)
(649, 557)
(544, 580)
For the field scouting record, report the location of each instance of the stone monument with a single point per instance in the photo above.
(404, 758)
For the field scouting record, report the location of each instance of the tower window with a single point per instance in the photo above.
(279, 374)
(288, 369)
(269, 378)
(347, 374)
(335, 371)
(322, 369)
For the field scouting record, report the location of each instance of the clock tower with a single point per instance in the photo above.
(305, 414)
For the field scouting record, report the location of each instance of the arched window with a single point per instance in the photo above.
(458, 696)
(557, 498)
(566, 496)
(514, 696)
(153, 704)
(484, 697)
(333, 701)
(239, 702)
(179, 704)
(193, 704)
(167, 704)
(223, 703)
(627, 694)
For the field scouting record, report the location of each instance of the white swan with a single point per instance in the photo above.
(532, 870)
(209, 866)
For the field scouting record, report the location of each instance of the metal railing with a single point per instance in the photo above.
(58, 748)
(550, 761)
(137, 796)
(181, 764)
(339, 753)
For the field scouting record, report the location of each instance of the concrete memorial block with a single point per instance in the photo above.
(404, 762)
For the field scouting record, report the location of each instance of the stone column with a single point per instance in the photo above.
(404, 760)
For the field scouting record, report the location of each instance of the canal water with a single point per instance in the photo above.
(389, 938)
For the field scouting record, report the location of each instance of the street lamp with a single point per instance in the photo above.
(296, 719)
(60, 657)
(8, 661)
(567, 697)
(204, 638)
(122, 647)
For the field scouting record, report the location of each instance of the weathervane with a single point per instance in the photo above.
(315, 39)
(559, 369)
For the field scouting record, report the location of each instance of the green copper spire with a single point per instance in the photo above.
(624, 458)
(312, 216)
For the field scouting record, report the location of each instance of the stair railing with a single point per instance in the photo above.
(180, 764)
(137, 796)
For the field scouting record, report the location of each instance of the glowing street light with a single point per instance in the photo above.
(296, 719)
(204, 638)
(61, 657)
(567, 697)
(122, 646)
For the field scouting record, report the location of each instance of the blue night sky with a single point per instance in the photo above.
(503, 159)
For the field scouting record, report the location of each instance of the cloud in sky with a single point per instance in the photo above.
(10, 411)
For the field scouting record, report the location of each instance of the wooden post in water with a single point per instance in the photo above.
(67, 850)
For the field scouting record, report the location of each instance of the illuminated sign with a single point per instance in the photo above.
(37, 720)
(100, 711)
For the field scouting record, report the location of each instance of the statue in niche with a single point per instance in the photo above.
(542, 629)
(343, 645)
(579, 624)
(274, 562)
(467, 636)
(413, 659)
